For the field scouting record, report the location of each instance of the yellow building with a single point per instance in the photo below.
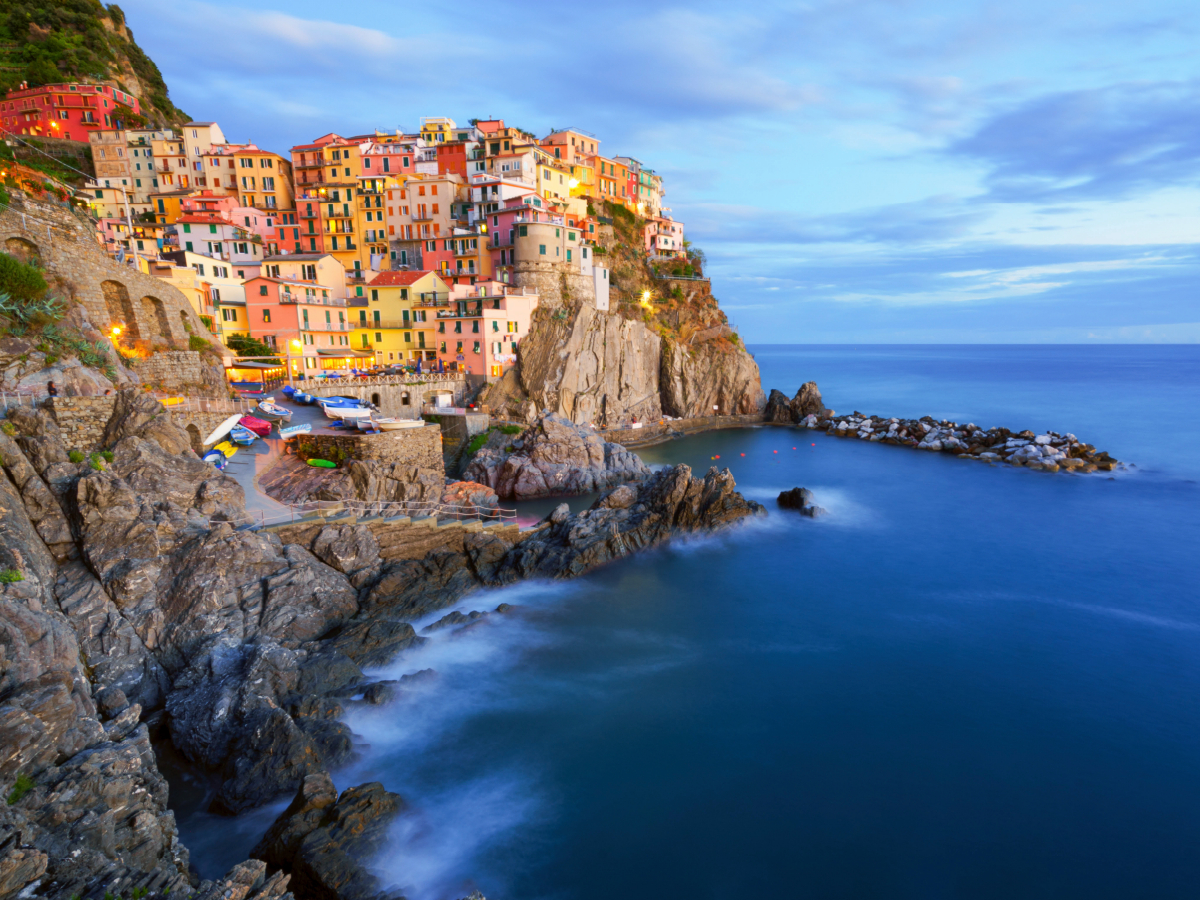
(389, 318)
(264, 179)
(437, 129)
(166, 205)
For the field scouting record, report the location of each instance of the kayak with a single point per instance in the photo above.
(221, 430)
(292, 430)
(258, 426)
(322, 464)
(242, 435)
(227, 448)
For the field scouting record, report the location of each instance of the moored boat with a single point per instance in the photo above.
(258, 426)
(273, 412)
(216, 458)
(292, 430)
(240, 434)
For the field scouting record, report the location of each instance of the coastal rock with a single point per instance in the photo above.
(801, 500)
(591, 366)
(807, 402)
(778, 409)
(710, 378)
(557, 457)
(324, 840)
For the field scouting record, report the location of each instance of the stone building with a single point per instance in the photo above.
(63, 243)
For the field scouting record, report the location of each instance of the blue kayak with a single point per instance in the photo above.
(216, 458)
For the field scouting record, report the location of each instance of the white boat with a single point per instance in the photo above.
(398, 424)
(348, 412)
(291, 431)
(223, 429)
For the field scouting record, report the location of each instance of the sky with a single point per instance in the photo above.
(856, 171)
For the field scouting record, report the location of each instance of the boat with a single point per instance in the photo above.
(287, 390)
(227, 448)
(301, 397)
(322, 464)
(337, 401)
(240, 434)
(273, 412)
(221, 430)
(292, 430)
(216, 458)
(348, 412)
(398, 424)
(258, 426)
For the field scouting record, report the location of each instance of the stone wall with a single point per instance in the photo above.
(180, 370)
(555, 283)
(420, 448)
(82, 419)
(390, 397)
(146, 308)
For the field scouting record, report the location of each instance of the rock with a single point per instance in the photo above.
(698, 377)
(813, 512)
(796, 498)
(326, 845)
(557, 458)
(778, 409)
(346, 548)
(138, 414)
(472, 498)
(807, 402)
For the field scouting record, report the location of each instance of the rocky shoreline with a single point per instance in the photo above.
(1048, 452)
(132, 608)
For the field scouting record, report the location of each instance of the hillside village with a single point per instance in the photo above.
(432, 248)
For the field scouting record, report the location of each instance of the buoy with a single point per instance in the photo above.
(743, 454)
(718, 456)
(774, 451)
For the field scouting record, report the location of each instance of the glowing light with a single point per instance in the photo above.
(116, 332)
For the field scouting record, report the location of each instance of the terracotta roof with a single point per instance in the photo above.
(204, 219)
(390, 279)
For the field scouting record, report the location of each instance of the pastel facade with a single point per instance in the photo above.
(69, 111)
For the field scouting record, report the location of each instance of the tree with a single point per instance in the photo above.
(244, 345)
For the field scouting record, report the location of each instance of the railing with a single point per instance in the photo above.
(314, 301)
(322, 326)
(385, 323)
(681, 278)
(315, 510)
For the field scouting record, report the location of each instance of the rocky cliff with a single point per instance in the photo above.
(664, 347)
(132, 608)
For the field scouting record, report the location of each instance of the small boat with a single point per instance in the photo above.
(348, 412)
(337, 401)
(258, 426)
(273, 412)
(221, 430)
(398, 424)
(292, 430)
(322, 464)
(227, 448)
(216, 458)
(287, 390)
(242, 435)
(301, 397)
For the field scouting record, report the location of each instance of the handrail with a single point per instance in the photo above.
(312, 510)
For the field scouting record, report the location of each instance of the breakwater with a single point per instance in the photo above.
(1048, 452)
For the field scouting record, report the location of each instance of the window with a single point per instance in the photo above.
(378, 336)
(187, 229)
(458, 348)
(495, 325)
(266, 315)
(525, 232)
(441, 327)
(542, 249)
(408, 337)
(262, 290)
(458, 327)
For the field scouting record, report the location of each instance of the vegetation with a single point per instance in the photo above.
(21, 281)
(9, 429)
(195, 342)
(244, 345)
(75, 456)
(511, 429)
(48, 43)
(106, 455)
(23, 784)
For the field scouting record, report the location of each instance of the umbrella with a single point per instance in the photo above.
(418, 367)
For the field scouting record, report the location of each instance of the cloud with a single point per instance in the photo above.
(930, 220)
(1103, 143)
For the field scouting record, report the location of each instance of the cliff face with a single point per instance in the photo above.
(665, 346)
(591, 366)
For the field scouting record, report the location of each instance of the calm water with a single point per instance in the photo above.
(966, 682)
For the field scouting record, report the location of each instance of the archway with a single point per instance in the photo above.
(375, 399)
(23, 250)
(120, 308)
(194, 438)
(404, 399)
(157, 313)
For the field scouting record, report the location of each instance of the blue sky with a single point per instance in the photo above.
(856, 170)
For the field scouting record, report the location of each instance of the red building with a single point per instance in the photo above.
(69, 111)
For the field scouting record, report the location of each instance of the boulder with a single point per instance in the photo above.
(556, 457)
(796, 498)
(807, 401)
(779, 409)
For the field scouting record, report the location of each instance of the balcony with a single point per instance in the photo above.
(433, 298)
(293, 299)
(347, 228)
(323, 326)
(399, 324)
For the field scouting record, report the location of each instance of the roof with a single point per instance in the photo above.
(199, 123)
(393, 278)
(286, 257)
(347, 354)
(291, 281)
(206, 219)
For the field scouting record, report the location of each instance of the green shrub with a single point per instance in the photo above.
(476, 442)
(9, 428)
(23, 785)
(195, 342)
(511, 429)
(19, 280)
(10, 576)
(107, 454)
(75, 456)
(96, 463)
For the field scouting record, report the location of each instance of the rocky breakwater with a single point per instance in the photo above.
(1049, 452)
(553, 457)
(131, 608)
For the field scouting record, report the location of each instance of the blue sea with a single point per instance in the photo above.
(967, 681)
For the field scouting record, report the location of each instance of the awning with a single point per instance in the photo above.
(347, 354)
(254, 364)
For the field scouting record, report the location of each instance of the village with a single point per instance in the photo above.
(352, 254)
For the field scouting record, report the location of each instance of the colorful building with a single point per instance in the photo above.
(479, 326)
(388, 319)
(302, 320)
(70, 111)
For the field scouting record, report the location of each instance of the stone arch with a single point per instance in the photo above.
(156, 312)
(193, 434)
(405, 400)
(23, 250)
(120, 308)
(375, 399)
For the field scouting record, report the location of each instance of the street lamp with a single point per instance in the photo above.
(288, 347)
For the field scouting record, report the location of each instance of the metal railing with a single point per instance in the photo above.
(317, 510)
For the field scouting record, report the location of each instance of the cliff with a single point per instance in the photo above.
(663, 347)
(47, 43)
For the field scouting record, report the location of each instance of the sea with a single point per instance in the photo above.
(966, 681)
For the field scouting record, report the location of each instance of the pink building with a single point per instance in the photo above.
(477, 332)
(504, 227)
(300, 319)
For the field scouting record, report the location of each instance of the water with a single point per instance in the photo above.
(967, 681)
